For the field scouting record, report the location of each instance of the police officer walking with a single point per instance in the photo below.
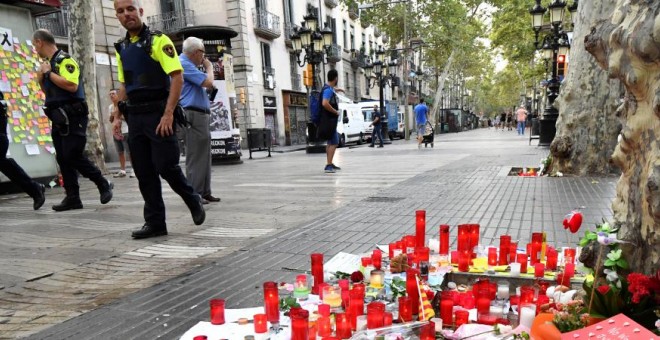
(151, 79)
(11, 169)
(61, 80)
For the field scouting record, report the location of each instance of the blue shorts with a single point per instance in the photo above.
(421, 129)
(334, 140)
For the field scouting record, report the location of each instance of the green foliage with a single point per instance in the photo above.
(398, 287)
(286, 303)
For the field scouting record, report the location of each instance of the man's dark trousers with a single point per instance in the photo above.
(377, 132)
(16, 174)
(71, 159)
(153, 155)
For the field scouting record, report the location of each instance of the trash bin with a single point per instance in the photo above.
(258, 140)
(535, 130)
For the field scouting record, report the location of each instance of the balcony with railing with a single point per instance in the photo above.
(331, 3)
(172, 22)
(358, 59)
(333, 54)
(289, 31)
(354, 12)
(296, 84)
(56, 23)
(266, 24)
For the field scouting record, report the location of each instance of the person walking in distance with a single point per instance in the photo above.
(421, 111)
(521, 117)
(151, 79)
(377, 131)
(329, 119)
(197, 106)
(11, 169)
(65, 105)
(121, 141)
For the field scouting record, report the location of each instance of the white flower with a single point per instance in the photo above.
(657, 324)
(605, 238)
(611, 275)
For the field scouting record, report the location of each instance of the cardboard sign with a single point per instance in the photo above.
(618, 327)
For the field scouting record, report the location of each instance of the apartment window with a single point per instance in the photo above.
(288, 11)
(293, 70)
(269, 73)
(356, 87)
(260, 4)
(333, 26)
(171, 6)
(347, 81)
(364, 42)
(346, 45)
(352, 37)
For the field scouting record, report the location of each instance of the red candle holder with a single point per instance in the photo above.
(217, 311)
(463, 238)
(411, 288)
(427, 332)
(324, 327)
(405, 309)
(551, 258)
(454, 257)
(410, 243)
(464, 261)
(540, 301)
(317, 271)
(324, 309)
(474, 235)
(260, 323)
(513, 250)
(375, 315)
(569, 270)
(461, 318)
(423, 254)
(569, 255)
(377, 258)
(535, 253)
(200, 337)
(390, 250)
(343, 326)
(486, 319)
(522, 259)
(344, 284)
(271, 302)
(356, 302)
(446, 307)
(492, 256)
(420, 228)
(299, 324)
(539, 270)
(483, 300)
(444, 239)
(365, 261)
(387, 319)
(505, 244)
(526, 295)
(467, 301)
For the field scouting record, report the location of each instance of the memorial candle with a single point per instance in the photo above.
(410, 243)
(483, 301)
(356, 302)
(461, 318)
(411, 288)
(376, 258)
(343, 326)
(527, 314)
(420, 228)
(569, 255)
(535, 254)
(446, 307)
(474, 235)
(464, 261)
(539, 270)
(390, 250)
(271, 302)
(261, 323)
(551, 257)
(505, 244)
(444, 239)
(405, 309)
(522, 259)
(492, 256)
(569, 271)
(299, 324)
(375, 315)
(454, 257)
(463, 238)
(503, 291)
(317, 271)
(387, 319)
(515, 269)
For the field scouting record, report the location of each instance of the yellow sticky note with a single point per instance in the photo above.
(17, 140)
(500, 268)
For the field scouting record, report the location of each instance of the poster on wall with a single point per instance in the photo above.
(6, 39)
(224, 107)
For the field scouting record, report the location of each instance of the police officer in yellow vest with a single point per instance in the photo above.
(61, 80)
(151, 79)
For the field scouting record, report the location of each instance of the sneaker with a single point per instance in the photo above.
(329, 169)
(131, 174)
(335, 167)
(419, 146)
(120, 174)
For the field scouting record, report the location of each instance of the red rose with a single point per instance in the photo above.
(603, 289)
(357, 277)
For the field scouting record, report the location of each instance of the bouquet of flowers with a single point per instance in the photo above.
(569, 317)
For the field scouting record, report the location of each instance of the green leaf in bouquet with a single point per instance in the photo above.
(622, 263)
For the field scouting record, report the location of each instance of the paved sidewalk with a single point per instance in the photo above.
(372, 201)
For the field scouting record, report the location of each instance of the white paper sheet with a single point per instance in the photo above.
(32, 149)
(343, 262)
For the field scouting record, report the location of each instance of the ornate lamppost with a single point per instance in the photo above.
(554, 43)
(384, 71)
(315, 42)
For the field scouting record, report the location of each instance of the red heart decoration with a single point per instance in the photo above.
(573, 221)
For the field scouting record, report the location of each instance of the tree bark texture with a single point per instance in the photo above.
(627, 45)
(587, 127)
(81, 37)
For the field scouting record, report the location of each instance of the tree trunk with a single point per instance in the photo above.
(81, 36)
(627, 45)
(587, 127)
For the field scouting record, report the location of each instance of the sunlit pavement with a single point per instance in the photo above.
(82, 266)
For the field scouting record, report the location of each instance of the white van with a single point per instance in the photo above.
(366, 109)
(350, 125)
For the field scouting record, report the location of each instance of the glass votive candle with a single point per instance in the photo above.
(342, 326)
(446, 307)
(515, 269)
(569, 255)
(551, 258)
(461, 317)
(377, 279)
(405, 309)
(437, 322)
(527, 314)
(486, 318)
(217, 311)
(454, 257)
(569, 271)
(539, 269)
(522, 259)
(299, 324)
(390, 250)
(387, 319)
(332, 296)
(410, 243)
(377, 258)
(344, 284)
(492, 256)
(503, 291)
(323, 326)
(323, 309)
(260, 323)
(427, 332)
(317, 271)
(200, 337)
(375, 315)
(300, 288)
(463, 262)
(361, 323)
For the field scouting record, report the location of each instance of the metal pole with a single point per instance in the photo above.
(406, 88)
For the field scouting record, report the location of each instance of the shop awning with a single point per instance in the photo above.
(36, 7)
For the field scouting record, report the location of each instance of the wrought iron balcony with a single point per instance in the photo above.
(56, 23)
(269, 78)
(334, 53)
(358, 59)
(331, 3)
(353, 12)
(266, 24)
(172, 22)
(296, 84)
(289, 30)
(364, 23)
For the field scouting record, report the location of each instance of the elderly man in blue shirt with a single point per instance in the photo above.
(197, 106)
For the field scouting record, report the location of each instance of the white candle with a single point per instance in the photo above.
(438, 324)
(497, 311)
(515, 269)
(361, 323)
(527, 315)
(503, 290)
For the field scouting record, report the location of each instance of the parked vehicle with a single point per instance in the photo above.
(366, 109)
(400, 131)
(350, 125)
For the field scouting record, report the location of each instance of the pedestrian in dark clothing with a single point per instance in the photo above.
(376, 122)
(11, 169)
(61, 81)
(151, 78)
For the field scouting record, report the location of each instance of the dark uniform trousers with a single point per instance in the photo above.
(11, 169)
(153, 155)
(70, 156)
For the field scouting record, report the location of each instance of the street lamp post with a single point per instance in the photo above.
(553, 44)
(315, 42)
(384, 70)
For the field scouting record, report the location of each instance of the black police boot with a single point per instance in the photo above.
(40, 197)
(197, 211)
(69, 203)
(106, 192)
(148, 231)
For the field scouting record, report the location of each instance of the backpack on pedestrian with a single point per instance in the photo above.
(327, 125)
(316, 105)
